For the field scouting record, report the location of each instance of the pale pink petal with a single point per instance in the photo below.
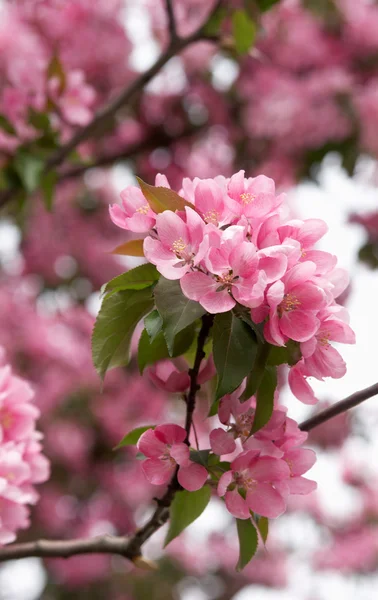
(236, 185)
(324, 261)
(161, 180)
(275, 294)
(299, 273)
(243, 460)
(273, 262)
(171, 228)
(301, 485)
(222, 442)
(196, 285)
(117, 215)
(243, 259)
(339, 331)
(272, 331)
(217, 302)
(266, 501)
(308, 348)
(311, 297)
(311, 231)
(193, 477)
(236, 505)
(158, 472)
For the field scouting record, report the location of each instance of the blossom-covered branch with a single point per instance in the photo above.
(175, 46)
(340, 407)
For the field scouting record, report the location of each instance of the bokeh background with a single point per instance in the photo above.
(300, 106)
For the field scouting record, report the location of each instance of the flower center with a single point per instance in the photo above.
(244, 481)
(6, 420)
(143, 210)
(211, 217)
(247, 198)
(179, 247)
(323, 338)
(289, 303)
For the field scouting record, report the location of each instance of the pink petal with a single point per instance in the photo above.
(170, 433)
(299, 273)
(310, 296)
(299, 325)
(171, 228)
(196, 285)
(221, 442)
(236, 185)
(193, 477)
(301, 485)
(224, 482)
(150, 445)
(269, 469)
(117, 215)
(180, 453)
(275, 294)
(158, 472)
(243, 259)
(217, 302)
(300, 388)
(242, 462)
(300, 460)
(266, 501)
(236, 505)
(311, 232)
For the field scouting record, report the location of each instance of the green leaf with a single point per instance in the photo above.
(29, 168)
(201, 457)
(281, 355)
(263, 526)
(257, 372)
(132, 438)
(243, 31)
(7, 126)
(48, 183)
(39, 120)
(186, 508)
(248, 542)
(151, 352)
(265, 5)
(136, 279)
(162, 198)
(265, 398)
(119, 315)
(131, 248)
(212, 27)
(55, 70)
(234, 350)
(245, 315)
(153, 324)
(176, 310)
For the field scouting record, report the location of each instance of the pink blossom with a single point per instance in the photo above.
(172, 375)
(181, 243)
(249, 486)
(253, 198)
(165, 449)
(293, 303)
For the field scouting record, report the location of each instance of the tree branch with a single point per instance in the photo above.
(340, 407)
(127, 547)
(176, 46)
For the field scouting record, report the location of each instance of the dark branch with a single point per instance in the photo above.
(171, 20)
(340, 407)
(128, 547)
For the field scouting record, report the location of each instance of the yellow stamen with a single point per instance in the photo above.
(211, 217)
(289, 303)
(143, 210)
(247, 198)
(178, 247)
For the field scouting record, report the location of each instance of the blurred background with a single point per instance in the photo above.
(299, 104)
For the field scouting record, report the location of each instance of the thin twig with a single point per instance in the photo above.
(171, 20)
(340, 407)
(128, 547)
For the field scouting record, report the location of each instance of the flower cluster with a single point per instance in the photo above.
(270, 465)
(21, 463)
(233, 245)
(266, 471)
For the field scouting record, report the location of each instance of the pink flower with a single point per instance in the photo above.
(167, 375)
(253, 198)
(165, 449)
(249, 486)
(299, 461)
(181, 244)
(17, 413)
(135, 214)
(209, 200)
(293, 304)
